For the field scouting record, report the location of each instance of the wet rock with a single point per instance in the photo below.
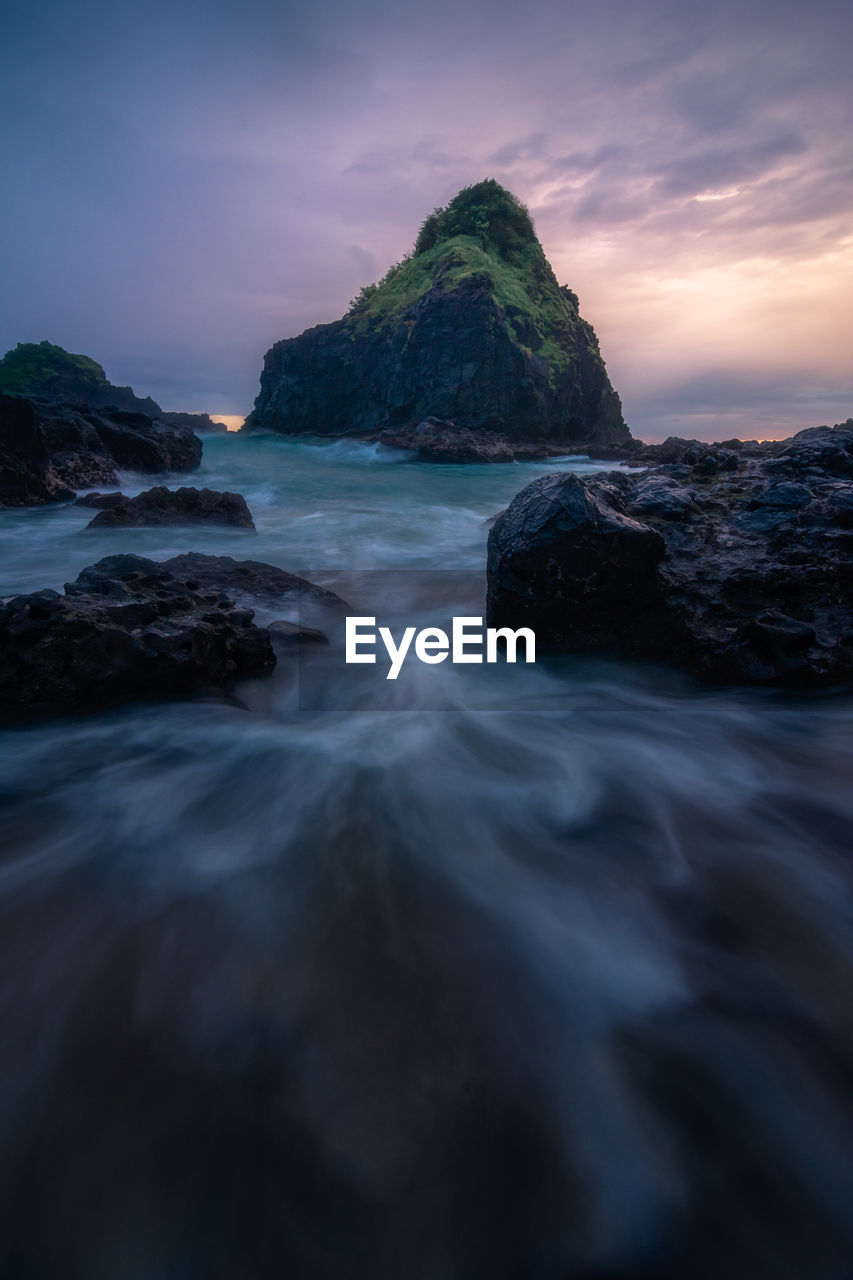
(49, 450)
(567, 563)
(101, 501)
(773, 630)
(751, 580)
(775, 506)
(162, 506)
(140, 443)
(126, 629)
(291, 635)
(785, 496)
(434, 440)
(838, 504)
(823, 451)
(661, 496)
(264, 584)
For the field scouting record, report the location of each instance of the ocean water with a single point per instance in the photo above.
(523, 973)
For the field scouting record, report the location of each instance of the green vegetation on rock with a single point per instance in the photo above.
(471, 328)
(484, 234)
(37, 368)
(489, 213)
(46, 372)
(539, 314)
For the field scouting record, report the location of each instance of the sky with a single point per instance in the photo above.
(187, 181)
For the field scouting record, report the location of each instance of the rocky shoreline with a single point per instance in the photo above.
(733, 563)
(49, 451)
(729, 561)
(129, 629)
(471, 328)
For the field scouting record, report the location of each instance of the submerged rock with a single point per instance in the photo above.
(126, 629)
(288, 635)
(436, 441)
(742, 574)
(472, 328)
(101, 501)
(263, 583)
(162, 506)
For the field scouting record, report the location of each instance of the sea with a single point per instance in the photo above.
(529, 972)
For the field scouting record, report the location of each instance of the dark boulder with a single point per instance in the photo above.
(662, 496)
(564, 561)
(127, 629)
(162, 506)
(745, 576)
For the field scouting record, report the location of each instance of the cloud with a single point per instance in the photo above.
(762, 404)
(725, 167)
(186, 182)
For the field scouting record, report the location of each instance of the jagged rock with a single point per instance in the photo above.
(200, 423)
(159, 506)
(823, 450)
(744, 576)
(472, 328)
(139, 443)
(48, 450)
(436, 441)
(127, 629)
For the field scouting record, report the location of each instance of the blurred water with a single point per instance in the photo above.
(555, 981)
(344, 505)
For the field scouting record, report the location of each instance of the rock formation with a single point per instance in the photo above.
(132, 629)
(162, 506)
(127, 629)
(47, 451)
(735, 564)
(472, 328)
